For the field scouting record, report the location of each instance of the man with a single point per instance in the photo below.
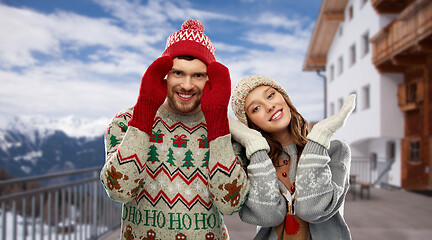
(169, 159)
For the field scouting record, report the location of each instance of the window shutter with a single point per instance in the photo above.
(420, 90)
(401, 95)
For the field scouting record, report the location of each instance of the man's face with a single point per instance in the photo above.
(185, 84)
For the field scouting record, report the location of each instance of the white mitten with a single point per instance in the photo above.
(249, 138)
(324, 130)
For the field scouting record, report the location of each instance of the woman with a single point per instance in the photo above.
(298, 179)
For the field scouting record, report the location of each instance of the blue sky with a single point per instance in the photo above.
(85, 58)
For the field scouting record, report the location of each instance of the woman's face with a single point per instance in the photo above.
(267, 109)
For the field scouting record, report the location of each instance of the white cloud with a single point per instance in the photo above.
(274, 20)
(281, 58)
(24, 35)
(36, 92)
(92, 66)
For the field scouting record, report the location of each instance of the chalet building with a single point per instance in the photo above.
(382, 51)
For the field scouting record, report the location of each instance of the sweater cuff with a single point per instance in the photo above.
(143, 114)
(256, 144)
(217, 121)
(320, 135)
(313, 147)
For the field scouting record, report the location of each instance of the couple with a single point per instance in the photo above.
(170, 160)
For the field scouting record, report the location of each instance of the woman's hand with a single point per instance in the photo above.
(251, 139)
(324, 130)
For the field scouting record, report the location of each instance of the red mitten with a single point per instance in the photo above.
(152, 94)
(215, 99)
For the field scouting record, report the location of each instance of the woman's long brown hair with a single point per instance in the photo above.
(298, 128)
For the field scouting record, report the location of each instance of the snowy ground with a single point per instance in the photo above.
(16, 231)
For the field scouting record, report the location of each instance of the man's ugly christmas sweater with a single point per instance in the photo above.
(173, 184)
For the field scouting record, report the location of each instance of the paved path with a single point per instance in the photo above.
(388, 214)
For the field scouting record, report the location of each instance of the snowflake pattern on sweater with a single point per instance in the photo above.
(173, 184)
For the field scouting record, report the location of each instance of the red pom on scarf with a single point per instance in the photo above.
(291, 225)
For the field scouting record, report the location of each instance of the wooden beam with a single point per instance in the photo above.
(318, 60)
(409, 60)
(334, 16)
(390, 69)
(390, 6)
(389, 9)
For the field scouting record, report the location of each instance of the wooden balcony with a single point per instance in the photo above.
(406, 41)
(390, 6)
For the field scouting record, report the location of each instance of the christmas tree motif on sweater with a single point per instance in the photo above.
(188, 160)
(114, 141)
(206, 159)
(180, 141)
(171, 157)
(157, 137)
(153, 155)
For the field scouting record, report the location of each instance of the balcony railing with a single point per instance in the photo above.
(408, 30)
(371, 171)
(75, 207)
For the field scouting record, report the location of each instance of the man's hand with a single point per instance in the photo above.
(152, 94)
(215, 99)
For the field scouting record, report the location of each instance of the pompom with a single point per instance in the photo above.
(193, 25)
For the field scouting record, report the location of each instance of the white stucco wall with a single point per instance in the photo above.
(392, 118)
(368, 129)
(372, 122)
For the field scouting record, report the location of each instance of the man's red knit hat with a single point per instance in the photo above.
(190, 40)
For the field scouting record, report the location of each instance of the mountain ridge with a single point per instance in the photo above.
(37, 145)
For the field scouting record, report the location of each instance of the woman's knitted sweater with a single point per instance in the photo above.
(321, 183)
(173, 184)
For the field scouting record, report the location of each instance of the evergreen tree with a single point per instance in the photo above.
(113, 141)
(188, 159)
(206, 159)
(171, 157)
(153, 155)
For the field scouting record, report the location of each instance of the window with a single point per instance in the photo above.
(331, 72)
(340, 65)
(414, 152)
(391, 150)
(365, 44)
(366, 97)
(340, 103)
(350, 12)
(374, 160)
(340, 30)
(355, 107)
(411, 96)
(332, 109)
(352, 55)
(363, 2)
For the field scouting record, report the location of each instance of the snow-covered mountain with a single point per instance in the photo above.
(36, 145)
